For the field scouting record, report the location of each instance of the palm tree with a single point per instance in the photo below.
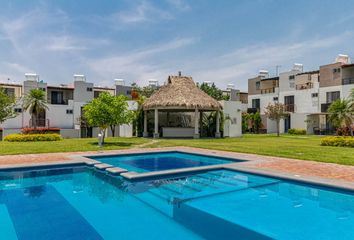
(341, 114)
(35, 101)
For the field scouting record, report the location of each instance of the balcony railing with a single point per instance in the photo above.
(308, 85)
(289, 107)
(347, 81)
(252, 110)
(62, 102)
(267, 90)
(324, 107)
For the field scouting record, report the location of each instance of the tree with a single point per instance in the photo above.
(35, 101)
(146, 91)
(7, 104)
(341, 114)
(107, 111)
(120, 112)
(139, 116)
(257, 121)
(276, 112)
(213, 91)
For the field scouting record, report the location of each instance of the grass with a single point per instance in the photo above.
(68, 145)
(298, 147)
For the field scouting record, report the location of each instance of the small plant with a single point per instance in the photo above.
(16, 137)
(338, 141)
(295, 131)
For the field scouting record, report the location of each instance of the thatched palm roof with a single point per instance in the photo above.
(181, 93)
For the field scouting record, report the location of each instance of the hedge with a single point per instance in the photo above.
(338, 141)
(40, 130)
(32, 137)
(296, 131)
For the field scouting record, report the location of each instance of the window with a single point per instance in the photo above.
(275, 99)
(289, 102)
(258, 85)
(129, 92)
(314, 95)
(336, 70)
(43, 89)
(18, 110)
(256, 103)
(291, 77)
(57, 97)
(96, 94)
(89, 89)
(10, 92)
(69, 111)
(333, 96)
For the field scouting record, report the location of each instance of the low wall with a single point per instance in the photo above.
(70, 133)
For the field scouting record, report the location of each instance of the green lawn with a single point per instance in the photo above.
(299, 147)
(68, 145)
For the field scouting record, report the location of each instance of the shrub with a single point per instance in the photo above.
(343, 131)
(296, 131)
(40, 130)
(338, 141)
(32, 137)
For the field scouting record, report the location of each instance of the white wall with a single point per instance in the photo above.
(58, 117)
(233, 118)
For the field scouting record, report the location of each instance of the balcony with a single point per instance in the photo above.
(347, 81)
(324, 107)
(290, 107)
(308, 85)
(252, 110)
(267, 90)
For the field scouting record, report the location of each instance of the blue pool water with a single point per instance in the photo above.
(81, 203)
(161, 161)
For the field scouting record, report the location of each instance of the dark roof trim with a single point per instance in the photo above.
(272, 78)
(348, 65)
(59, 87)
(309, 72)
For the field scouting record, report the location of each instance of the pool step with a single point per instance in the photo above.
(156, 201)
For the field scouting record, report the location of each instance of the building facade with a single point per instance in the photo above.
(306, 95)
(65, 106)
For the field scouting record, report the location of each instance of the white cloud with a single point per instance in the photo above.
(180, 5)
(240, 64)
(136, 64)
(143, 12)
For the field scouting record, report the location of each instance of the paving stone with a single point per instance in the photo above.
(116, 170)
(102, 166)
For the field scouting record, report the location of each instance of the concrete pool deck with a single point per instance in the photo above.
(302, 170)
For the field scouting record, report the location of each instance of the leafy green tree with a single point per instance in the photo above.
(341, 114)
(139, 116)
(107, 111)
(245, 119)
(257, 121)
(146, 91)
(120, 112)
(276, 112)
(213, 91)
(35, 101)
(7, 104)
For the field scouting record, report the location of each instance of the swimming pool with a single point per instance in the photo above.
(81, 203)
(150, 162)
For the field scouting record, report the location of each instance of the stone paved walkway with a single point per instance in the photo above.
(274, 164)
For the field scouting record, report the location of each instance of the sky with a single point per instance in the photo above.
(224, 41)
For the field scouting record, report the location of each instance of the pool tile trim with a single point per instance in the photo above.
(248, 164)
